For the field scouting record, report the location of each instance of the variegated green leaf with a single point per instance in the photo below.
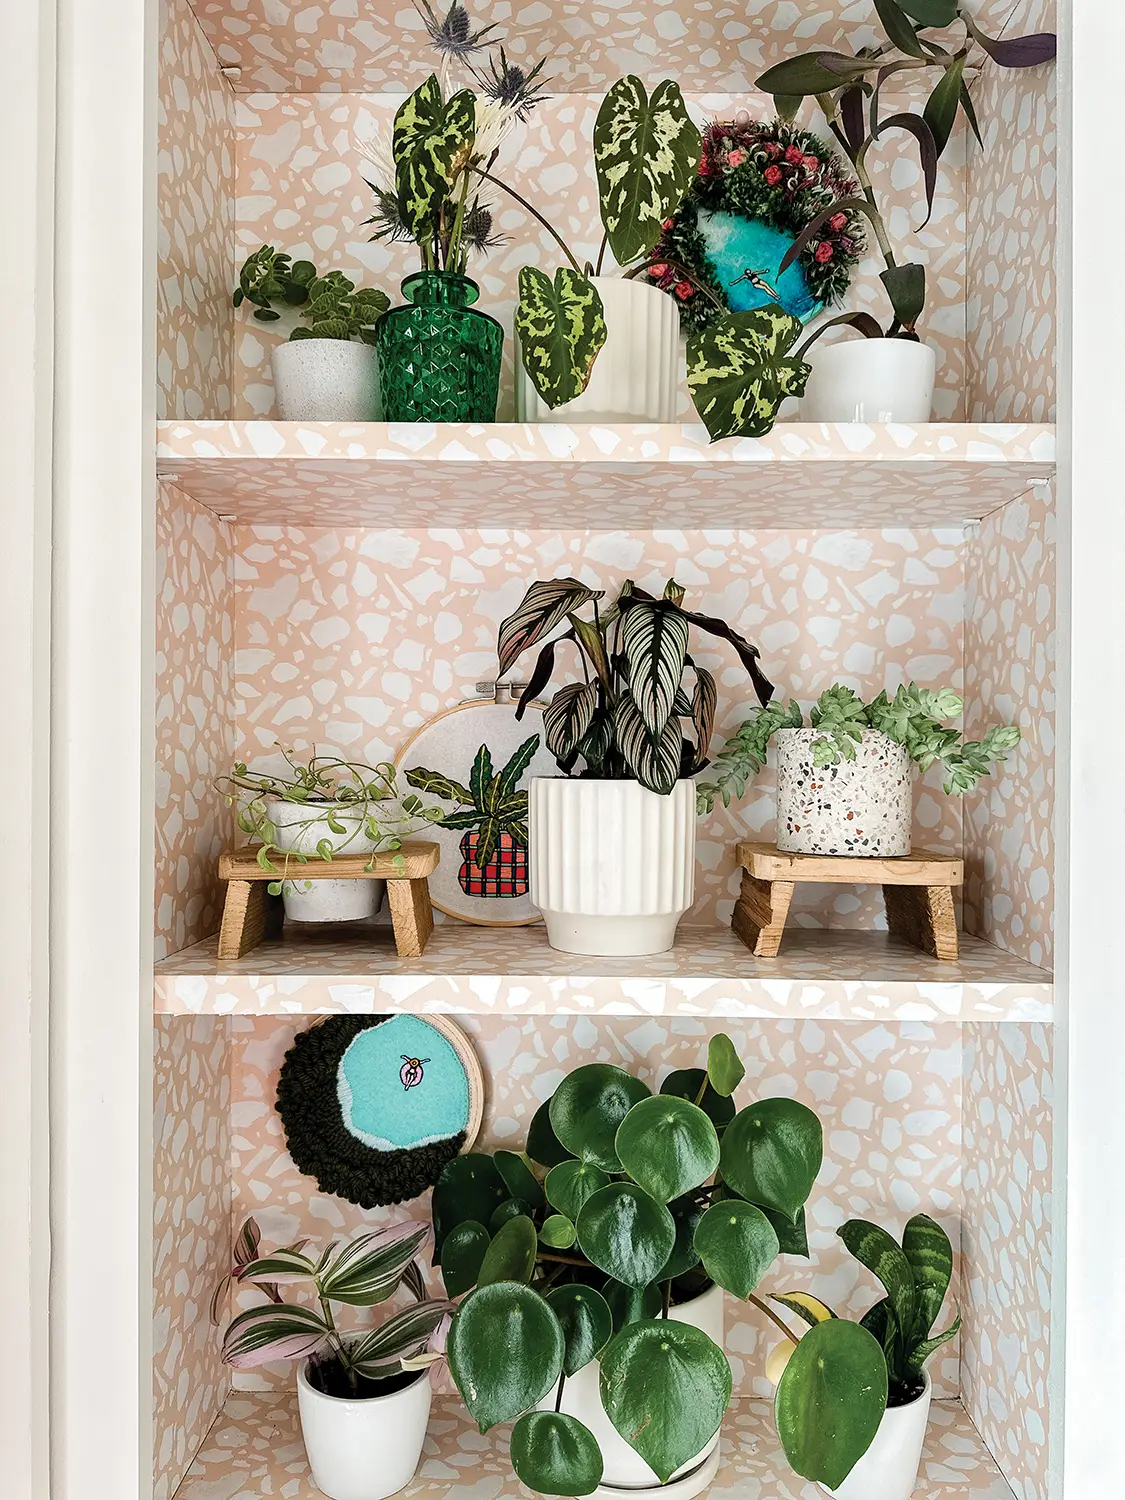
(738, 373)
(653, 760)
(488, 840)
(281, 1267)
(921, 1352)
(275, 1331)
(480, 777)
(546, 602)
(368, 1269)
(518, 763)
(647, 153)
(561, 327)
(432, 142)
(874, 1248)
(809, 1309)
(381, 1351)
(926, 1247)
(704, 700)
(437, 785)
(654, 637)
(567, 718)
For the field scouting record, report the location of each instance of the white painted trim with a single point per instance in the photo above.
(103, 750)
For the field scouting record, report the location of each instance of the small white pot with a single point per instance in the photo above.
(889, 1468)
(869, 380)
(859, 807)
(636, 374)
(324, 900)
(624, 1469)
(363, 1450)
(612, 865)
(326, 380)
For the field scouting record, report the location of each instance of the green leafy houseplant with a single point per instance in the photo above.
(648, 1200)
(329, 305)
(847, 87)
(916, 718)
(840, 1377)
(627, 718)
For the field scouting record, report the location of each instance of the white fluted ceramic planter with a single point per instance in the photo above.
(889, 1468)
(859, 807)
(636, 375)
(625, 1471)
(363, 1450)
(325, 900)
(612, 865)
(326, 380)
(869, 380)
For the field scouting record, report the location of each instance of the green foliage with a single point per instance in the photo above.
(330, 304)
(588, 1107)
(555, 1454)
(646, 151)
(739, 371)
(431, 141)
(505, 1351)
(771, 1154)
(490, 803)
(561, 327)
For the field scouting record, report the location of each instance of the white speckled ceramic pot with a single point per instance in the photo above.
(325, 900)
(859, 807)
(889, 1468)
(368, 1449)
(326, 380)
(869, 380)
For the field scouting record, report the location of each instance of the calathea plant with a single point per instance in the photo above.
(837, 1380)
(648, 1200)
(630, 717)
(847, 88)
(329, 305)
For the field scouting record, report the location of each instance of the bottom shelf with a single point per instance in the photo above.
(254, 1450)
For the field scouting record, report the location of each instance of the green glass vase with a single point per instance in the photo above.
(439, 357)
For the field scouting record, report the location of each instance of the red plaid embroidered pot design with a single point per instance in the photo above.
(505, 874)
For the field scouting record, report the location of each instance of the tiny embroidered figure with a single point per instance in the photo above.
(411, 1070)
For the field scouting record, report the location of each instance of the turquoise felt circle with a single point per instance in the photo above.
(736, 245)
(402, 1085)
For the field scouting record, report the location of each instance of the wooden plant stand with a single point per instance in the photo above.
(917, 892)
(251, 914)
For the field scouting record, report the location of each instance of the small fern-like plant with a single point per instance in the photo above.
(330, 306)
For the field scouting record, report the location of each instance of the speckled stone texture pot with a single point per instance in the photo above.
(326, 380)
(859, 807)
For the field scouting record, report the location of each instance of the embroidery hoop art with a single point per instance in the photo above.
(499, 710)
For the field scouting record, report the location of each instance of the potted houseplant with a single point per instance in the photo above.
(844, 784)
(363, 1395)
(327, 371)
(889, 374)
(612, 840)
(592, 1298)
(315, 808)
(853, 1399)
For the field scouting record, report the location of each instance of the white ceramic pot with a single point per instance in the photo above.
(612, 865)
(363, 1450)
(869, 380)
(324, 900)
(326, 380)
(859, 807)
(624, 1469)
(636, 374)
(889, 1468)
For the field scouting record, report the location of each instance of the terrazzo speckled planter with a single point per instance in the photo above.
(859, 807)
(326, 380)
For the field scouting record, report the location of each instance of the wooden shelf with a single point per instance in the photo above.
(255, 1450)
(482, 970)
(602, 478)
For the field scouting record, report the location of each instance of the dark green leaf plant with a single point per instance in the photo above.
(916, 718)
(625, 1205)
(329, 306)
(493, 803)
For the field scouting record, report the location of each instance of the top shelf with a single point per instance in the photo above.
(801, 475)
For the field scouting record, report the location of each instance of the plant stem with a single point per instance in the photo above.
(564, 1260)
(773, 1317)
(336, 1341)
(558, 1393)
(665, 1298)
(601, 254)
(534, 212)
(702, 1089)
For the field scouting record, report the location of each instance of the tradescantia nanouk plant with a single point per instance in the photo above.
(631, 717)
(647, 1200)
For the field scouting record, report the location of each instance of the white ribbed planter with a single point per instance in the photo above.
(363, 1450)
(869, 380)
(625, 1471)
(612, 864)
(326, 380)
(324, 900)
(859, 807)
(636, 374)
(889, 1468)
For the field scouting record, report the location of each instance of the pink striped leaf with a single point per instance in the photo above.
(273, 1332)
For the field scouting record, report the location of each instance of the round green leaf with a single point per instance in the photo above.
(511, 1208)
(586, 1322)
(830, 1400)
(724, 1066)
(555, 1454)
(461, 1255)
(520, 1180)
(631, 1304)
(686, 1214)
(570, 1183)
(557, 1232)
(469, 1188)
(626, 1233)
(588, 1107)
(685, 1083)
(505, 1352)
(665, 1387)
(771, 1154)
(543, 1145)
(667, 1145)
(737, 1244)
(511, 1255)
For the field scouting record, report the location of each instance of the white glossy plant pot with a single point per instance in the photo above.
(363, 1450)
(324, 900)
(612, 865)
(859, 807)
(889, 1468)
(326, 380)
(636, 374)
(625, 1471)
(869, 380)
